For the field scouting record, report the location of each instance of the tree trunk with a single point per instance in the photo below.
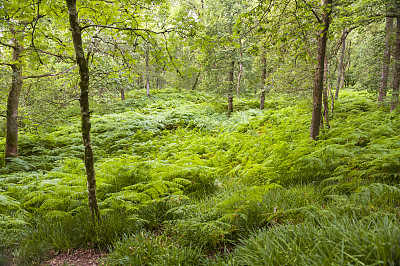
(147, 72)
(319, 71)
(230, 90)
(157, 83)
(340, 79)
(11, 150)
(263, 79)
(122, 94)
(196, 80)
(386, 61)
(396, 79)
(84, 103)
(240, 69)
(325, 93)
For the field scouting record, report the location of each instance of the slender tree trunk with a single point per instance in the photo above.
(325, 93)
(263, 79)
(122, 94)
(240, 69)
(386, 60)
(11, 149)
(147, 72)
(84, 103)
(340, 79)
(396, 80)
(319, 71)
(230, 90)
(196, 80)
(157, 83)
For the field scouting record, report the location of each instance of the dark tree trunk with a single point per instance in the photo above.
(122, 94)
(396, 79)
(230, 90)
(84, 102)
(319, 71)
(386, 60)
(340, 79)
(11, 150)
(196, 80)
(263, 80)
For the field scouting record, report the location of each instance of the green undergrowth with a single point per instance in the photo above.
(180, 183)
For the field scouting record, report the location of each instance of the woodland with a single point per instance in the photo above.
(200, 132)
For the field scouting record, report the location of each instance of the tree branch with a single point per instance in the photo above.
(49, 74)
(126, 28)
(50, 115)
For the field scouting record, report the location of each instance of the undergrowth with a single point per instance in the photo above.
(180, 183)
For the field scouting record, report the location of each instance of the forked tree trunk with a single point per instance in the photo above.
(396, 79)
(84, 103)
(263, 79)
(230, 89)
(11, 149)
(386, 60)
(319, 71)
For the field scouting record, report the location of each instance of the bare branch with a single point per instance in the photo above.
(7, 45)
(49, 74)
(50, 115)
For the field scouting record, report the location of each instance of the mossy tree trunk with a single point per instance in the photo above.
(386, 60)
(84, 103)
(11, 149)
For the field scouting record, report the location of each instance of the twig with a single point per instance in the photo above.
(62, 106)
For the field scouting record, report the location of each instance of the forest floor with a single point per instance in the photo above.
(80, 257)
(179, 183)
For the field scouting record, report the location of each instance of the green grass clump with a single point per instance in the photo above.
(324, 241)
(149, 249)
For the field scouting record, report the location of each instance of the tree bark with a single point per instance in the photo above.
(263, 79)
(396, 78)
(230, 90)
(319, 71)
(11, 149)
(122, 94)
(340, 79)
(84, 103)
(386, 60)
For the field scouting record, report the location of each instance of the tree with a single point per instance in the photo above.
(319, 69)
(84, 103)
(396, 78)
(386, 59)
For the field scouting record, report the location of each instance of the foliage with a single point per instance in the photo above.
(181, 181)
